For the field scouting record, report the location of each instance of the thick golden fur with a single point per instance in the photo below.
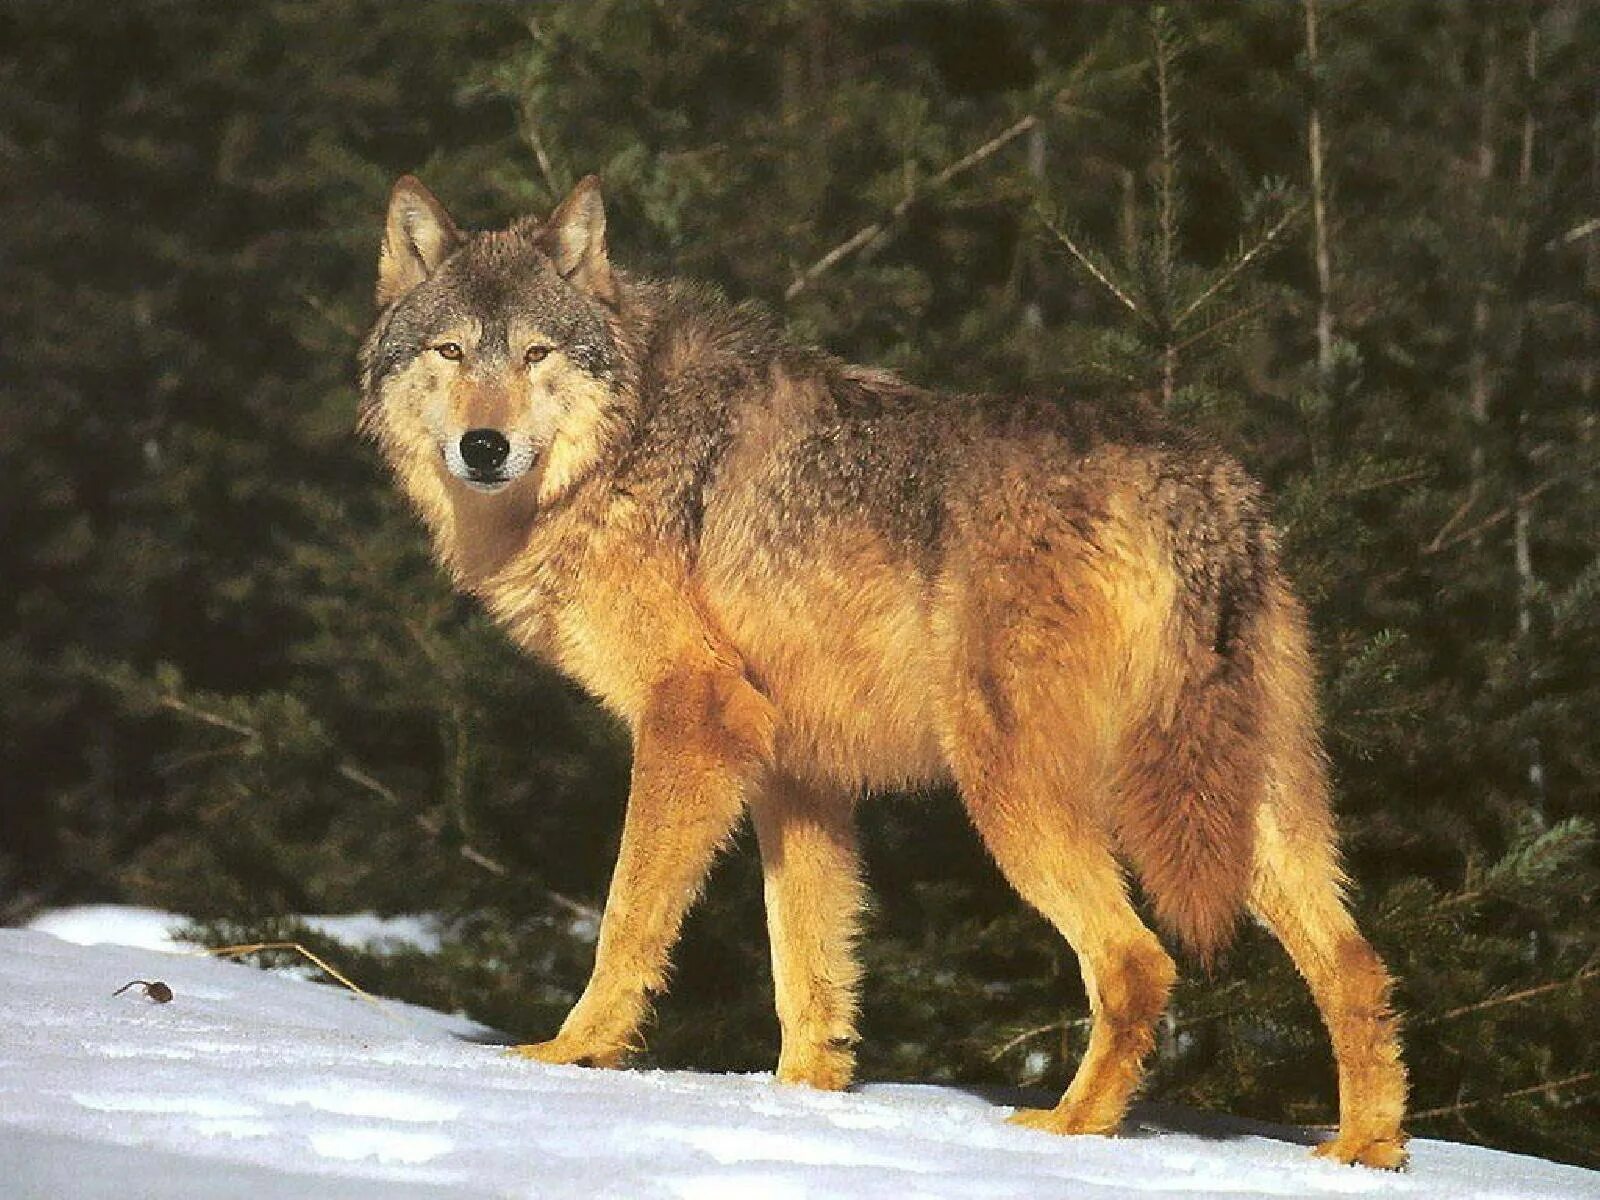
(795, 580)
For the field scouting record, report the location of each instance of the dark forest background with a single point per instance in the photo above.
(1356, 242)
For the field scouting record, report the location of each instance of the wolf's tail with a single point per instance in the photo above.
(1194, 768)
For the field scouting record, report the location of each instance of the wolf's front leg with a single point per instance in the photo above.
(701, 739)
(814, 895)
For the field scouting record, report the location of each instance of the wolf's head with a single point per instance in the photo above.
(494, 363)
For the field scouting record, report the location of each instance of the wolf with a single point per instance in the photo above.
(797, 581)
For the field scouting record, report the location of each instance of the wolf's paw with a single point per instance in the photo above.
(1060, 1120)
(828, 1068)
(564, 1052)
(1387, 1153)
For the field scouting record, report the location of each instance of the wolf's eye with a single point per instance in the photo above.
(537, 353)
(450, 350)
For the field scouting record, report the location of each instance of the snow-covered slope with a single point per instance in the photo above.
(252, 1084)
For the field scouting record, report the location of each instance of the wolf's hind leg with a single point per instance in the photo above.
(1045, 838)
(814, 896)
(1297, 894)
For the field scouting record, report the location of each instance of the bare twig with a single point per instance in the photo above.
(1455, 518)
(478, 858)
(1221, 323)
(1238, 265)
(1373, 485)
(1466, 535)
(320, 307)
(1027, 1035)
(1465, 1105)
(1509, 998)
(576, 907)
(215, 720)
(1093, 268)
(1576, 234)
(348, 770)
(332, 971)
(540, 155)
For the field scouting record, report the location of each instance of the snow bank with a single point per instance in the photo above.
(153, 929)
(254, 1084)
(114, 925)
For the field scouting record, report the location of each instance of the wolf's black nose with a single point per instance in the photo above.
(484, 450)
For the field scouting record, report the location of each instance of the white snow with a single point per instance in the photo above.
(262, 1085)
(112, 924)
(153, 929)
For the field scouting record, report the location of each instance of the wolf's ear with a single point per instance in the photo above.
(418, 236)
(575, 239)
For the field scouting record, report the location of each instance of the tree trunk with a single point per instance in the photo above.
(1166, 208)
(1522, 528)
(1478, 350)
(1319, 207)
(1032, 312)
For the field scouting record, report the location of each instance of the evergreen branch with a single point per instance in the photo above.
(1215, 1014)
(1447, 1110)
(345, 770)
(1525, 861)
(363, 779)
(1510, 998)
(1089, 265)
(352, 772)
(868, 233)
(1233, 270)
(180, 764)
